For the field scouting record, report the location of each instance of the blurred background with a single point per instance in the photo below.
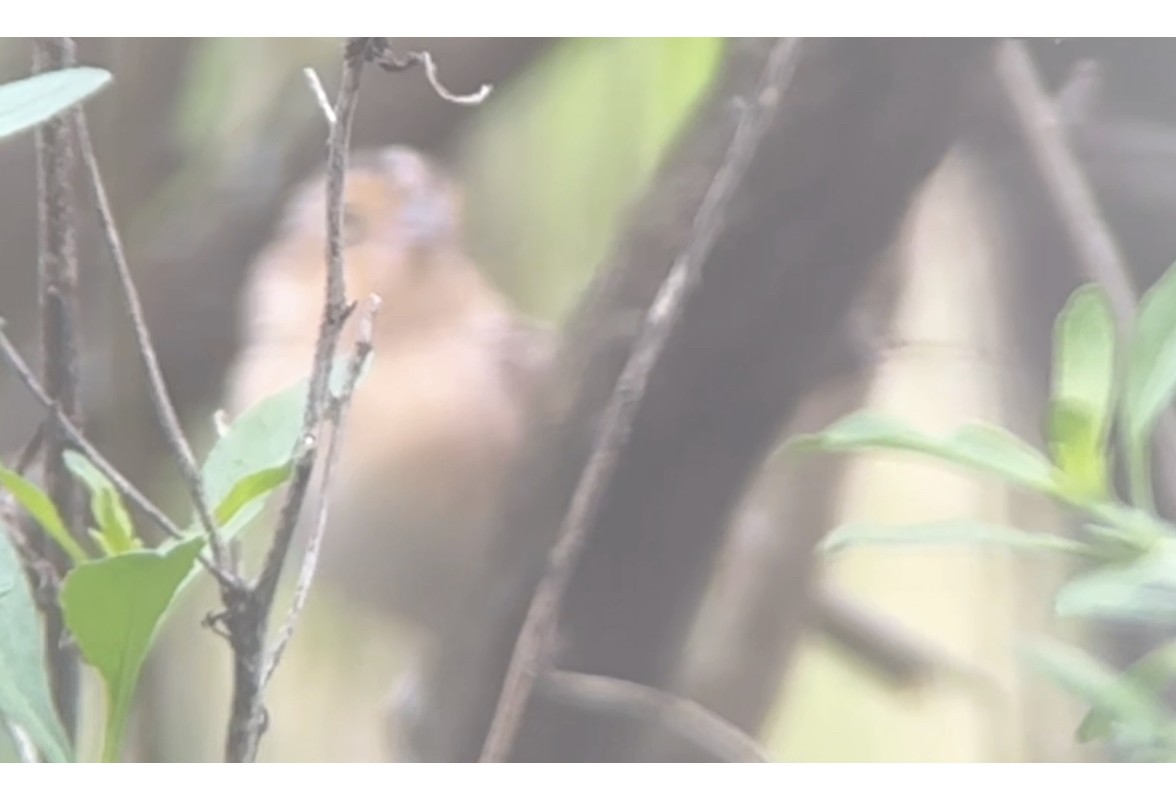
(201, 140)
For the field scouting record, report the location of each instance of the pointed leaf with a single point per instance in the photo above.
(1104, 689)
(1143, 591)
(979, 447)
(26, 103)
(114, 522)
(114, 607)
(1150, 378)
(949, 532)
(1149, 676)
(25, 697)
(41, 508)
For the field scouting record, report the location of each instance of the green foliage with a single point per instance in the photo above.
(24, 686)
(115, 533)
(1128, 552)
(950, 532)
(114, 608)
(1150, 379)
(43, 511)
(1081, 408)
(26, 103)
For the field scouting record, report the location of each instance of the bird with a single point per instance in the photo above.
(441, 412)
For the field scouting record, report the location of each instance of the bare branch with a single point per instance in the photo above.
(58, 275)
(248, 614)
(320, 94)
(363, 349)
(164, 407)
(533, 647)
(389, 61)
(1037, 120)
(75, 436)
(703, 728)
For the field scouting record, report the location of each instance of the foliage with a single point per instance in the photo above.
(116, 603)
(1126, 554)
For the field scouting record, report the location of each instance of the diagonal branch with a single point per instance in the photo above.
(534, 647)
(164, 407)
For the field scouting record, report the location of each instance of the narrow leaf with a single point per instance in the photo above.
(114, 522)
(1150, 378)
(114, 607)
(249, 488)
(25, 697)
(26, 103)
(979, 447)
(1148, 676)
(41, 508)
(1101, 687)
(1083, 390)
(949, 532)
(1143, 591)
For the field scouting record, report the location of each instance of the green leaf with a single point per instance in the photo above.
(979, 447)
(1143, 591)
(1104, 689)
(1083, 391)
(41, 508)
(949, 532)
(250, 488)
(1148, 676)
(114, 607)
(26, 103)
(1150, 378)
(25, 697)
(114, 522)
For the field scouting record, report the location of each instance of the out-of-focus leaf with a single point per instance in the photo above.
(34, 100)
(116, 533)
(25, 697)
(41, 508)
(1137, 715)
(979, 447)
(949, 532)
(1083, 391)
(1150, 378)
(1143, 591)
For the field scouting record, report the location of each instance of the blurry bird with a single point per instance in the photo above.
(440, 414)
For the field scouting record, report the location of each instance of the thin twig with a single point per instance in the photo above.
(385, 58)
(533, 646)
(58, 275)
(691, 721)
(320, 94)
(31, 449)
(248, 615)
(164, 408)
(75, 436)
(1038, 122)
(363, 349)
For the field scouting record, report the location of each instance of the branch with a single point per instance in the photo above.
(385, 58)
(363, 349)
(248, 614)
(697, 725)
(75, 436)
(533, 649)
(164, 407)
(58, 275)
(1037, 121)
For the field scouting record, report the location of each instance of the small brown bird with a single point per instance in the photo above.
(439, 416)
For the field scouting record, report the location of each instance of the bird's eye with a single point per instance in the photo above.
(354, 226)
